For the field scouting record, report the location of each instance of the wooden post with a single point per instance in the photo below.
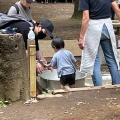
(32, 67)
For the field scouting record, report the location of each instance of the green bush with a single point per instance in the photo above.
(2, 104)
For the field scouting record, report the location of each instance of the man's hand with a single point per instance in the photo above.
(81, 43)
(39, 67)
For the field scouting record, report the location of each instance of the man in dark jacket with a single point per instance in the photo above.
(40, 29)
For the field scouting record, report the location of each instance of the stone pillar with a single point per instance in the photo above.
(14, 83)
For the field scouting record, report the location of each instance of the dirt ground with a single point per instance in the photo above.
(103, 104)
(60, 14)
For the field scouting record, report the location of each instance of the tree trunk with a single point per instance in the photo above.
(14, 83)
(76, 14)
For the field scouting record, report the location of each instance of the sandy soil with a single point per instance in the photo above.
(103, 104)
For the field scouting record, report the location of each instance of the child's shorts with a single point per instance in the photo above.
(67, 79)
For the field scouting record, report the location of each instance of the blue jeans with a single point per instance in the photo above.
(111, 62)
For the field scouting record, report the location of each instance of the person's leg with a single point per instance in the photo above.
(110, 60)
(38, 88)
(62, 86)
(62, 82)
(71, 80)
(97, 76)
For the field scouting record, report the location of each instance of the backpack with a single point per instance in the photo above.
(17, 9)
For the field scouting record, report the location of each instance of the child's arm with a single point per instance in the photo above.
(49, 67)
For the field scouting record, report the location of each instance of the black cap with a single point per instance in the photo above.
(30, 1)
(47, 24)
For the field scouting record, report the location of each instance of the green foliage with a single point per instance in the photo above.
(48, 92)
(2, 104)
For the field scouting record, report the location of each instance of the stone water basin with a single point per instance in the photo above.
(49, 79)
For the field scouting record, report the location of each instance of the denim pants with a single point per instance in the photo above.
(111, 62)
